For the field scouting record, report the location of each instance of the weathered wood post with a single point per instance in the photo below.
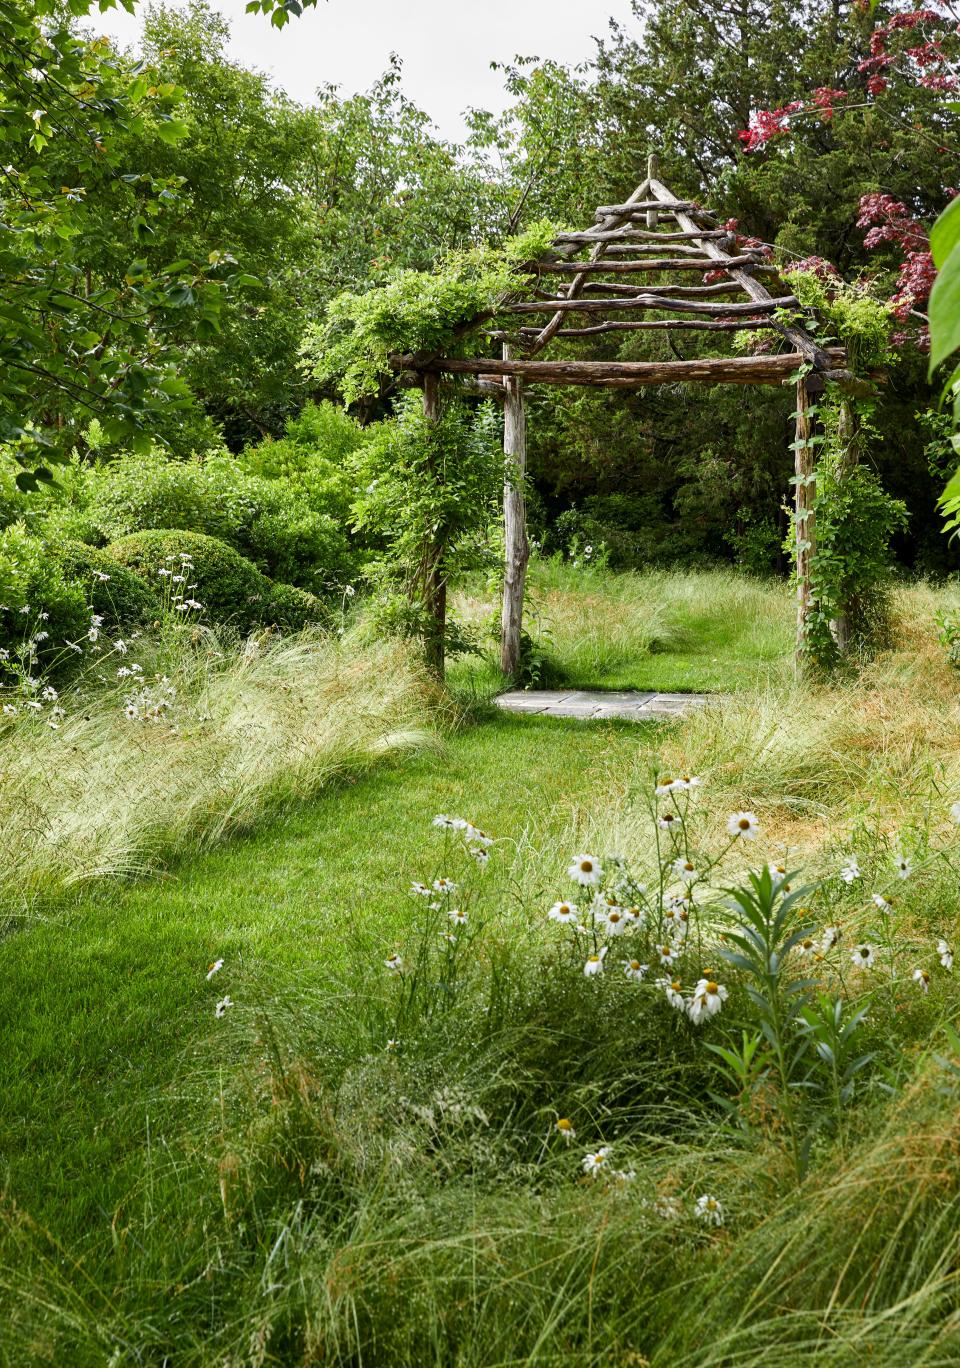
(516, 545)
(804, 495)
(842, 625)
(435, 584)
(653, 171)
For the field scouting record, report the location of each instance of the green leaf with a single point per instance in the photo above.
(945, 233)
(172, 130)
(944, 311)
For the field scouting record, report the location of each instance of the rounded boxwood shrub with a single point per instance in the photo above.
(231, 588)
(123, 598)
(292, 609)
(37, 604)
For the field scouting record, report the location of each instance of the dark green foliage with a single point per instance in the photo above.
(291, 609)
(124, 599)
(33, 584)
(312, 457)
(231, 589)
(265, 520)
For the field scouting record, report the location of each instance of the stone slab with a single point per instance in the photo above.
(625, 704)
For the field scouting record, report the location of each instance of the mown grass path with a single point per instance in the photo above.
(103, 1002)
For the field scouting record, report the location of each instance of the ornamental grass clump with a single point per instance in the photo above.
(174, 742)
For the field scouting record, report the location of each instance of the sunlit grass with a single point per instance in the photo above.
(671, 630)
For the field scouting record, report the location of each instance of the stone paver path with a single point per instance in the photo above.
(587, 703)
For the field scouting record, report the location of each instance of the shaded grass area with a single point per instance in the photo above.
(680, 631)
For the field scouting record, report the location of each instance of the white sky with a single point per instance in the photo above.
(446, 45)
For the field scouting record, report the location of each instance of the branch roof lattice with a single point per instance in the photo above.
(599, 290)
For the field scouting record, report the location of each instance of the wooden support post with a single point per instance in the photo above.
(804, 494)
(842, 625)
(435, 584)
(653, 171)
(516, 545)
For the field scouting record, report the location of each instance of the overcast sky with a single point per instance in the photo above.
(446, 45)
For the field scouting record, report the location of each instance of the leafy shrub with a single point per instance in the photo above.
(948, 635)
(231, 589)
(267, 521)
(123, 598)
(291, 608)
(313, 458)
(39, 603)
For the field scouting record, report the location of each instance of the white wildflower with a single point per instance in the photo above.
(120, 647)
(10, 710)
(566, 1129)
(955, 812)
(671, 991)
(831, 934)
(595, 1161)
(708, 998)
(668, 821)
(223, 1006)
(614, 922)
(943, 950)
(214, 968)
(445, 886)
(481, 855)
(709, 1210)
(904, 867)
(594, 964)
(635, 971)
(444, 822)
(668, 954)
(585, 870)
(922, 979)
(394, 963)
(863, 956)
(850, 871)
(743, 824)
(563, 912)
(881, 902)
(420, 890)
(686, 871)
(457, 916)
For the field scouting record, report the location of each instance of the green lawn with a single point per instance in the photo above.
(679, 631)
(104, 1004)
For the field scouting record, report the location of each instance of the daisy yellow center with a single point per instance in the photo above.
(675, 985)
(668, 817)
(665, 950)
(634, 964)
(665, 783)
(712, 988)
(808, 944)
(688, 867)
(594, 959)
(744, 824)
(563, 1124)
(586, 866)
(614, 917)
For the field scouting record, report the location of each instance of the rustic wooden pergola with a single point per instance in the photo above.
(599, 289)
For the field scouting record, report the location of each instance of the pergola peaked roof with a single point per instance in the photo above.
(596, 279)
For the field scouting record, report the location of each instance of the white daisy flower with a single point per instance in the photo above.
(443, 885)
(904, 867)
(850, 871)
(807, 946)
(481, 855)
(863, 956)
(777, 872)
(668, 954)
(881, 902)
(671, 991)
(585, 870)
(831, 934)
(32, 703)
(214, 968)
(945, 953)
(708, 998)
(686, 871)
(709, 1210)
(392, 1044)
(615, 922)
(595, 1161)
(955, 812)
(420, 890)
(563, 912)
(594, 964)
(10, 710)
(476, 836)
(457, 916)
(566, 1129)
(743, 824)
(922, 979)
(686, 783)
(223, 1006)
(446, 823)
(49, 694)
(120, 647)
(394, 963)
(664, 787)
(635, 971)
(634, 915)
(668, 821)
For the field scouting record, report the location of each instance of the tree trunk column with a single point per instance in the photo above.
(804, 495)
(435, 585)
(516, 546)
